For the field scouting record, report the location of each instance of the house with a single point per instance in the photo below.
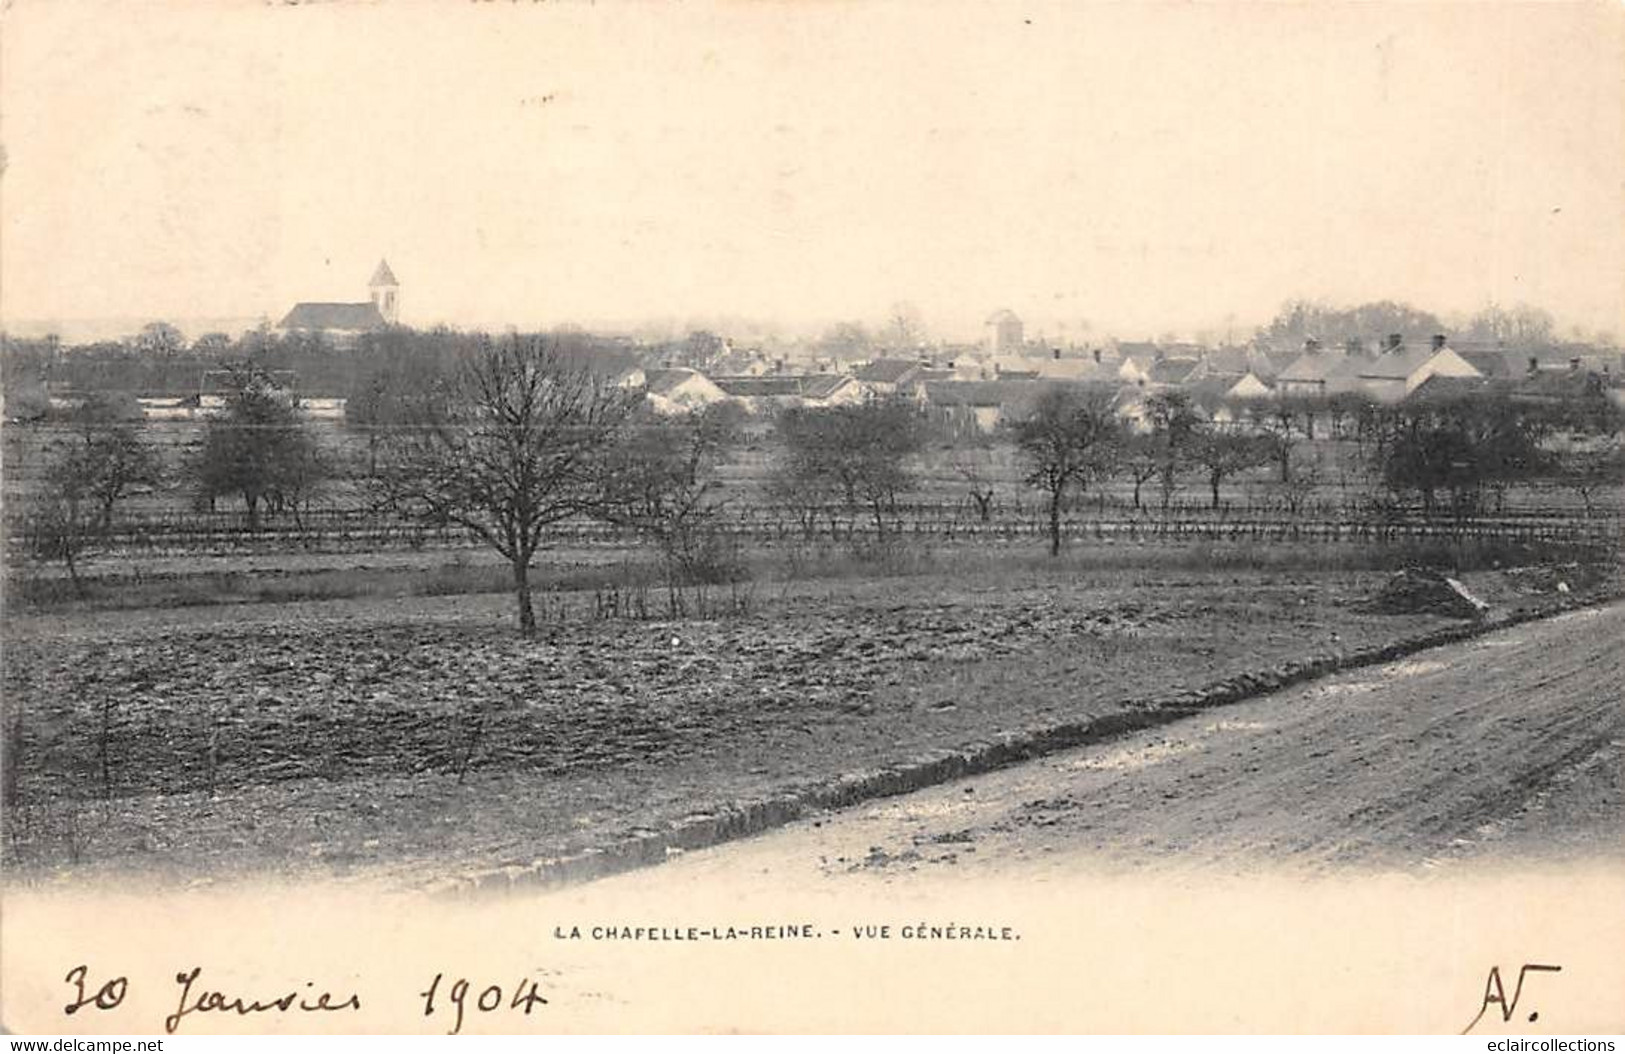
(1168, 373)
(1059, 367)
(679, 391)
(1249, 386)
(344, 322)
(1207, 394)
(1129, 405)
(1318, 372)
(1011, 368)
(1488, 363)
(778, 391)
(1234, 363)
(1442, 388)
(1135, 369)
(833, 389)
(885, 376)
(983, 404)
(1398, 371)
(1570, 386)
(749, 363)
(1216, 399)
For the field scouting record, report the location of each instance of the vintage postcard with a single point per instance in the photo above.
(812, 517)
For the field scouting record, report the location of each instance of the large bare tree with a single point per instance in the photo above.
(508, 445)
(1071, 437)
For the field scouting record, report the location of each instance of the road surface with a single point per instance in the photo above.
(1508, 747)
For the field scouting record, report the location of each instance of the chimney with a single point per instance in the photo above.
(1395, 341)
(1056, 354)
(1438, 342)
(1574, 365)
(1097, 356)
(1311, 345)
(1534, 365)
(1352, 346)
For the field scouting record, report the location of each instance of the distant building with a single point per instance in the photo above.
(1320, 373)
(1060, 367)
(1170, 373)
(982, 405)
(778, 391)
(678, 391)
(1135, 368)
(1004, 332)
(1399, 371)
(1249, 386)
(885, 376)
(343, 322)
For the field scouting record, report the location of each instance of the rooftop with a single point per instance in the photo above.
(341, 317)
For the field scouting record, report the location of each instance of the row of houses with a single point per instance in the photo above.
(983, 386)
(984, 391)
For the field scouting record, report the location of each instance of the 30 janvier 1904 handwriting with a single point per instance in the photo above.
(453, 1001)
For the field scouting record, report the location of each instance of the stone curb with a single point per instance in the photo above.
(942, 766)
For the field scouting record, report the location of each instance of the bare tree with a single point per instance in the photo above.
(857, 452)
(102, 459)
(1307, 475)
(1142, 456)
(1070, 437)
(1173, 424)
(509, 448)
(111, 458)
(661, 480)
(1276, 419)
(1520, 326)
(1592, 468)
(974, 466)
(1223, 454)
(62, 523)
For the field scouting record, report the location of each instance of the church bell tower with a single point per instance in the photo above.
(386, 292)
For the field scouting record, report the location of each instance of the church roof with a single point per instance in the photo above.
(347, 317)
(383, 276)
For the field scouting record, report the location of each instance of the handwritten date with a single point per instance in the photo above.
(458, 1000)
(489, 1000)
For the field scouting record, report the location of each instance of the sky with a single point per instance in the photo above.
(1102, 169)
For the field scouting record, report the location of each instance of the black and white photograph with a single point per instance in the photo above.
(812, 517)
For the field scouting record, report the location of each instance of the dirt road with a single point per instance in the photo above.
(1509, 747)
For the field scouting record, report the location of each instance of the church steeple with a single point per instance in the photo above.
(386, 292)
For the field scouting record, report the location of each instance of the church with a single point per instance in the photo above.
(344, 322)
